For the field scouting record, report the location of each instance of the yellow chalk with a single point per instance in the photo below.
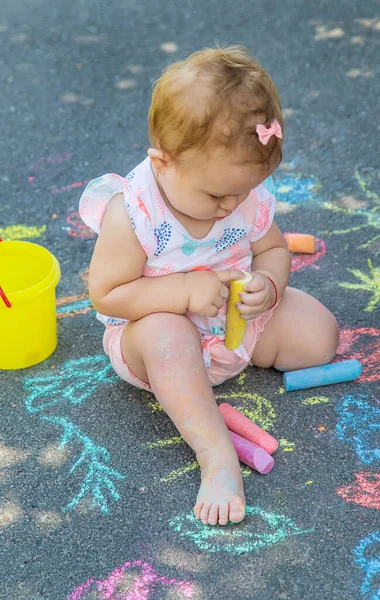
(235, 325)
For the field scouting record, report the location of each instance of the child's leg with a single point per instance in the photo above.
(301, 333)
(165, 351)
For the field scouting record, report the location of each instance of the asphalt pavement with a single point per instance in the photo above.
(97, 492)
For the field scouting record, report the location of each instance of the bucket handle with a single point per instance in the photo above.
(4, 298)
(2, 294)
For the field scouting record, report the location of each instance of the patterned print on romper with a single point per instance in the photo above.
(230, 236)
(263, 220)
(163, 234)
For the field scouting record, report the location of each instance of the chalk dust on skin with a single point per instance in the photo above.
(221, 496)
(182, 375)
(176, 361)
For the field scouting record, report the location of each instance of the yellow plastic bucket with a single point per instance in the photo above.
(28, 328)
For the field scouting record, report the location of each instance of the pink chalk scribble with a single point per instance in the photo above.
(122, 584)
(72, 186)
(364, 345)
(77, 228)
(303, 261)
(365, 490)
(43, 162)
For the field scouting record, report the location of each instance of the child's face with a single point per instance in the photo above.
(206, 188)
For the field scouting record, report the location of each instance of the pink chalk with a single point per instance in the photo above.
(246, 428)
(252, 455)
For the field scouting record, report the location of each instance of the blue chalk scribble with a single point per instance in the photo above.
(79, 305)
(369, 564)
(237, 540)
(75, 382)
(359, 425)
(295, 189)
(97, 481)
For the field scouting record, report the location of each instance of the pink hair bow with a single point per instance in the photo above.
(265, 133)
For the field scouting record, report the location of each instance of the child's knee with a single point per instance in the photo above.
(167, 333)
(328, 339)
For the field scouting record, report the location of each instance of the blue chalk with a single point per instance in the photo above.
(346, 370)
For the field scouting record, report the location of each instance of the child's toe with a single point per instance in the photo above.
(223, 514)
(237, 510)
(213, 514)
(197, 510)
(204, 513)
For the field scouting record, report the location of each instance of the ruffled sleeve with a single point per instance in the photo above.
(264, 208)
(98, 193)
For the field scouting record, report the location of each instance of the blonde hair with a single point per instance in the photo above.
(212, 99)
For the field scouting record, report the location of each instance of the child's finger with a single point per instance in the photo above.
(254, 299)
(229, 274)
(224, 291)
(257, 284)
(248, 312)
(219, 302)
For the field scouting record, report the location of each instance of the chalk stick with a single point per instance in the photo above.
(252, 455)
(301, 243)
(246, 428)
(235, 324)
(347, 370)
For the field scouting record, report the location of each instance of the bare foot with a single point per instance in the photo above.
(221, 495)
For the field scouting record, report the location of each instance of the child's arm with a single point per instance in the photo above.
(271, 261)
(271, 257)
(117, 288)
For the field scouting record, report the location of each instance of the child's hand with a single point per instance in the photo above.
(207, 291)
(259, 295)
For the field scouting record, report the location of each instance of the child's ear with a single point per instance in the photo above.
(159, 159)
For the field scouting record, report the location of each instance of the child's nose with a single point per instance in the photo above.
(229, 203)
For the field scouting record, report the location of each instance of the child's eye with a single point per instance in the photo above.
(216, 197)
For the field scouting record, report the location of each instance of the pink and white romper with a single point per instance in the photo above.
(170, 249)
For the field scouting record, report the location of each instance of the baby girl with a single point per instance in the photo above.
(175, 231)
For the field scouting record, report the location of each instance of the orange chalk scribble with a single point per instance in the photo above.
(365, 490)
